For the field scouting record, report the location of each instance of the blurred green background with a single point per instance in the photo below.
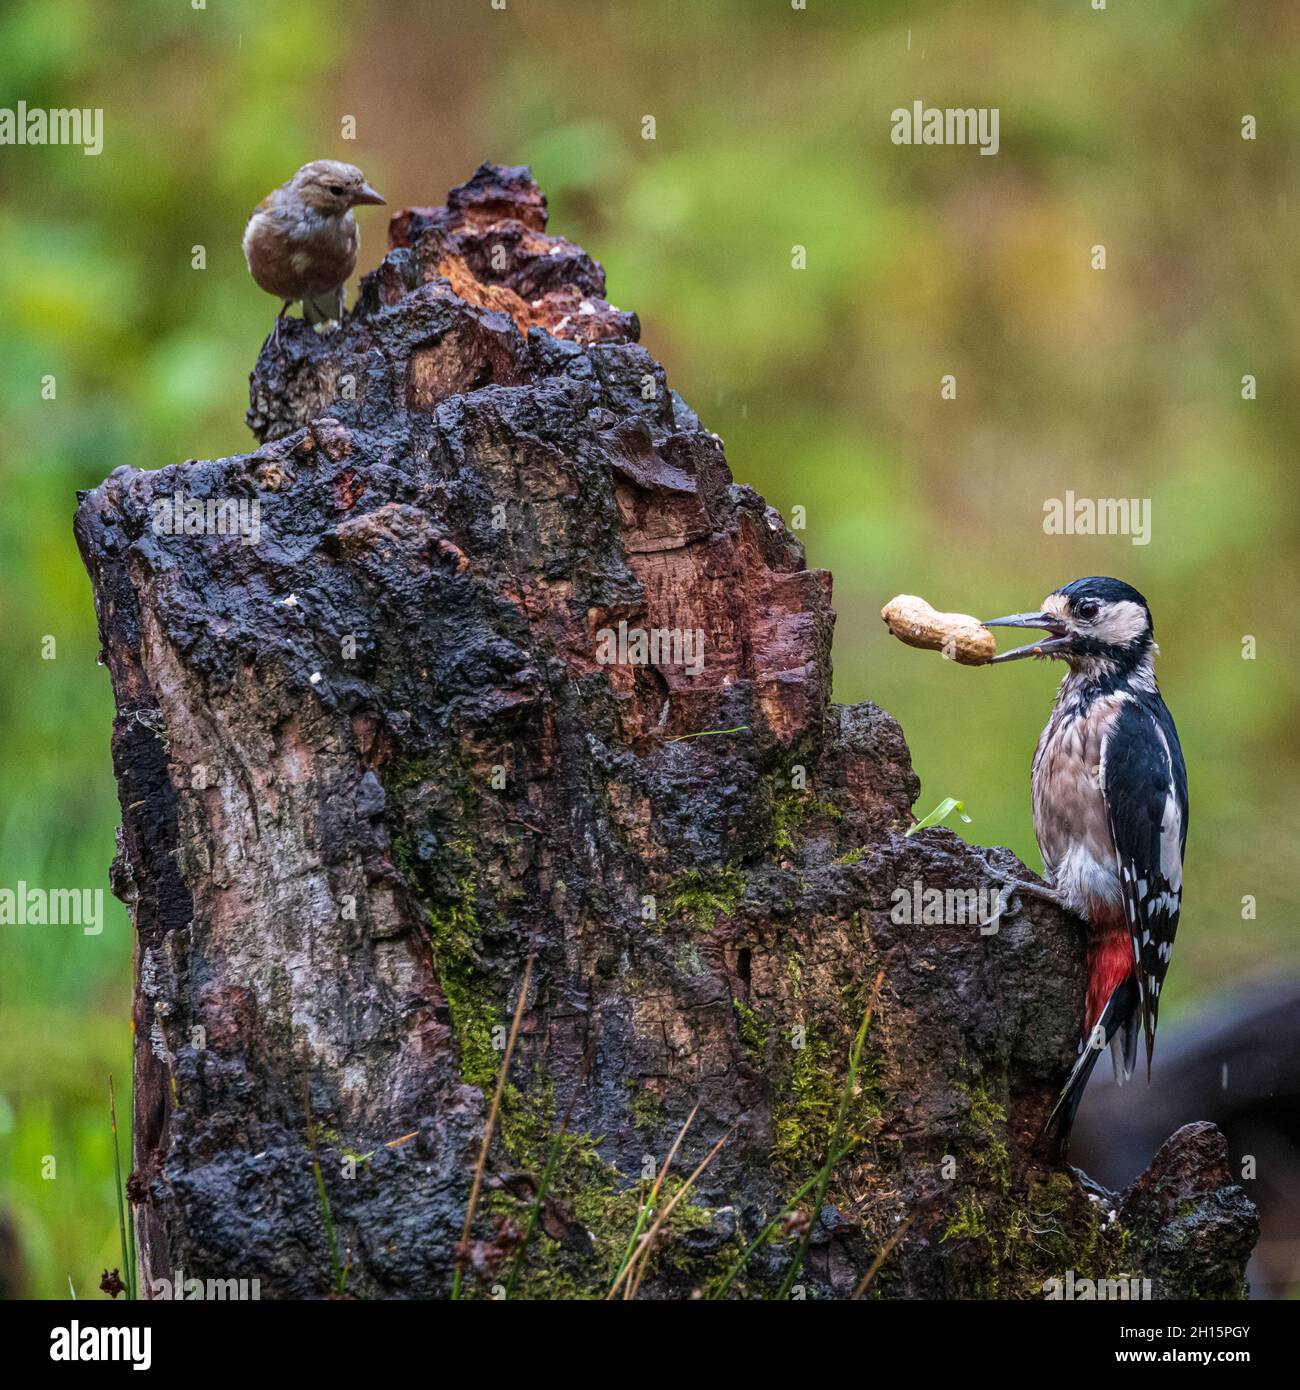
(1120, 127)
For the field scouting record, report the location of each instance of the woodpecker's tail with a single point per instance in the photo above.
(1118, 1024)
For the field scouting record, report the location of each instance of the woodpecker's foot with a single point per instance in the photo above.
(1006, 906)
(1012, 885)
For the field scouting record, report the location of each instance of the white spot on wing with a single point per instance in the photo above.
(1171, 826)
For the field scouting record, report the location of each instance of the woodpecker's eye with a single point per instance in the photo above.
(337, 191)
(1088, 609)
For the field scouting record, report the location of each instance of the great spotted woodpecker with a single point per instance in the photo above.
(1110, 813)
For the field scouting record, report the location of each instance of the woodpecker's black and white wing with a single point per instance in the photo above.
(1144, 784)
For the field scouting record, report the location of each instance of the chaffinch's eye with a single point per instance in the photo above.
(1089, 609)
(337, 191)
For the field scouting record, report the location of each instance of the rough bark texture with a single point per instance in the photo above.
(371, 763)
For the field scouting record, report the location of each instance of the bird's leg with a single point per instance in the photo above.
(279, 319)
(1012, 885)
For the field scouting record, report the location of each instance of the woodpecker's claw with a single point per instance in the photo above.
(1010, 903)
(1007, 907)
(1013, 885)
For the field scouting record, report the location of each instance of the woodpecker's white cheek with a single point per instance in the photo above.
(1120, 623)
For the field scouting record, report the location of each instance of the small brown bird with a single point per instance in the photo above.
(301, 242)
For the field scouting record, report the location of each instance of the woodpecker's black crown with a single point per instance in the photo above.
(1098, 589)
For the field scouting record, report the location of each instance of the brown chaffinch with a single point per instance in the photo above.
(301, 242)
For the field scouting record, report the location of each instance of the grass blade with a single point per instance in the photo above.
(648, 1240)
(463, 1252)
(824, 1174)
(886, 1250)
(535, 1211)
(322, 1197)
(128, 1270)
(648, 1205)
(548, 1174)
(743, 1259)
(944, 809)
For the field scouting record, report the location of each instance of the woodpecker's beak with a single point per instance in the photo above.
(1058, 642)
(366, 194)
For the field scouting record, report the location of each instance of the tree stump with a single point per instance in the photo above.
(504, 664)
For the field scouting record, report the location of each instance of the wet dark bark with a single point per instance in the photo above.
(372, 762)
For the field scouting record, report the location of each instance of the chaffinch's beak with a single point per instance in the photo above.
(1059, 640)
(366, 194)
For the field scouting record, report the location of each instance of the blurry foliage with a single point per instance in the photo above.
(1120, 127)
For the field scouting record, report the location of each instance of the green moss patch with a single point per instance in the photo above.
(701, 897)
(602, 1202)
(453, 931)
(753, 1033)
